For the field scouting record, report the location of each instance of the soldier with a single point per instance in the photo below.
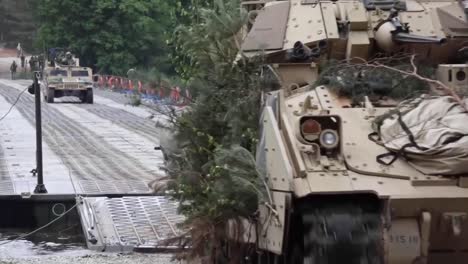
(36, 63)
(31, 63)
(41, 61)
(52, 56)
(62, 58)
(13, 69)
(69, 58)
(18, 50)
(22, 60)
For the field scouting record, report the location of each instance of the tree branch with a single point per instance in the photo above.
(379, 63)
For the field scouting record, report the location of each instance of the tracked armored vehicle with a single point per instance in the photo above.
(63, 76)
(339, 191)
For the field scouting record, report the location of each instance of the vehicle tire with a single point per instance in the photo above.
(50, 95)
(89, 96)
(82, 97)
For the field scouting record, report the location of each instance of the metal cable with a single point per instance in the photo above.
(13, 105)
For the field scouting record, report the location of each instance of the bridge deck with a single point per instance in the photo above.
(128, 223)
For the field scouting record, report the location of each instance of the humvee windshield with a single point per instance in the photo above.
(58, 73)
(79, 74)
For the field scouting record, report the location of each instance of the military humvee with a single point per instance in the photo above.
(63, 76)
(330, 199)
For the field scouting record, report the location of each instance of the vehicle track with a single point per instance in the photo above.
(62, 146)
(97, 148)
(141, 126)
(84, 152)
(342, 232)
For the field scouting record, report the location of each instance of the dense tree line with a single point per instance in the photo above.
(18, 23)
(110, 35)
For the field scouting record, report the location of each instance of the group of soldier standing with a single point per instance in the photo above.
(35, 62)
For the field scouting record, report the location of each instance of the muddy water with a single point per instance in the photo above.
(41, 244)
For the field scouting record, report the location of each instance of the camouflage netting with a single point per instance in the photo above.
(430, 132)
(358, 80)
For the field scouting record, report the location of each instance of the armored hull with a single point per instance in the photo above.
(338, 194)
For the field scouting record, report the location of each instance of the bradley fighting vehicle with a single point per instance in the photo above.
(63, 76)
(331, 199)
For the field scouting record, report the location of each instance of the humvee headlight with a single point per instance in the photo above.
(329, 138)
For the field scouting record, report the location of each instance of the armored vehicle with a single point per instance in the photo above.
(371, 179)
(63, 76)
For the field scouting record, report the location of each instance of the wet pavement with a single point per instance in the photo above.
(89, 144)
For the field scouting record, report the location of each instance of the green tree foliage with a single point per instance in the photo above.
(212, 169)
(18, 23)
(112, 35)
(184, 13)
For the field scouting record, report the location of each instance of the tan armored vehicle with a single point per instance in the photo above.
(63, 76)
(353, 182)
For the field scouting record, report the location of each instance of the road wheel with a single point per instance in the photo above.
(50, 95)
(89, 96)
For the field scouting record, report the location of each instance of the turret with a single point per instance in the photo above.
(392, 31)
(291, 31)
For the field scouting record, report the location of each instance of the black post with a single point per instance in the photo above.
(40, 187)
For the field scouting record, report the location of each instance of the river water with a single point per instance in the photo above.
(41, 244)
(62, 248)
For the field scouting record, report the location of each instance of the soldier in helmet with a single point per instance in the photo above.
(69, 58)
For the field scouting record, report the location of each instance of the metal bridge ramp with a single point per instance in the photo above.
(128, 223)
